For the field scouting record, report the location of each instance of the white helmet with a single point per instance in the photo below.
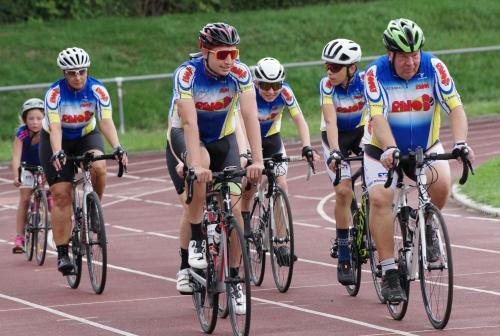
(73, 58)
(32, 103)
(269, 70)
(341, 51)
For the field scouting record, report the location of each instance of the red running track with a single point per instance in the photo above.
(140, 298)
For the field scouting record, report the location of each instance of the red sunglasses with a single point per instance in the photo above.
(221, 55)
(334, 67)
(266, 86)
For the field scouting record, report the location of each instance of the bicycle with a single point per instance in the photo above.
(411, 238)
(37, 222)
(362, 246)
(223, 232)
(88, 235)
(271, 226)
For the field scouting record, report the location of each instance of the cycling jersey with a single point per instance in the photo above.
(76, 111)
(215, 98)
(411, 107)
(349, 102)
(30, 151)
(270, 113)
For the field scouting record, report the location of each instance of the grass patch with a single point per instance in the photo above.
(484, 186)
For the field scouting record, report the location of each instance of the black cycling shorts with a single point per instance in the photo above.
(349, 142)
(91, 141)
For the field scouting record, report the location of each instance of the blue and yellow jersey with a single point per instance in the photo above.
(76, 111)
(349, 102)
(215, 98)
(411, 107)
(30, 151)
(271, 113)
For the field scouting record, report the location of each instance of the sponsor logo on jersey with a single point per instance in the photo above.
(353, 108)
(445, 78)
(76, 119)
(372, 86)
(54, 94)
(422, 86)
(101, 92)
(241, 73)
(214, 106)
(328, 84)
(187, 75)
(287, 94)
(84, 105)
(265, 117)
(423, 103)
(224, 89)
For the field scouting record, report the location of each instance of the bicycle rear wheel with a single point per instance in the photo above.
(205, 296)
(436, 280)
(238, 287)
(75, 253)
(96, 244)
(42, 227)
(398, 311)
(282, 266)
(375, 267)
(29, 234)
(255, 241)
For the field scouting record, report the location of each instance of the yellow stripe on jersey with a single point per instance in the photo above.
(53, 116)
(229, 123)
(106, 113)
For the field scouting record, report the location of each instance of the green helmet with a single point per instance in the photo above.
(403, 35)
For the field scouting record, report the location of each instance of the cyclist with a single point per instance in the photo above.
(342, 123)
(273, 97)
(207, 90)
(406, 90)
(25, 149)
(73, 106)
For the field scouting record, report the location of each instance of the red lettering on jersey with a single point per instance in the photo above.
(224, 90)
(240, 72)
(188, 73)
(352, 108)
(214, 106)
(288, 95)
(328, 84)
(102, 94)
(85, 105)
(422, 86)
(53, 95)
(74, 119)
(423, 103)
(372, 86)
(445, 79)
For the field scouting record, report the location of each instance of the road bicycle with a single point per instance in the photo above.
(224, 237)
(37, 222)
(415, 229)
(271, 226)
(361, 244)
(88, 235)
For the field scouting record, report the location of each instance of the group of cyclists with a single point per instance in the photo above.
(223, 114)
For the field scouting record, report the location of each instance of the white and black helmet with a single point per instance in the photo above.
(73, 58)
(269, 70)
(341, 51)
(32, 103)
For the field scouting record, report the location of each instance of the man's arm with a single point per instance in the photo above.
(248, 105)
(332, 133)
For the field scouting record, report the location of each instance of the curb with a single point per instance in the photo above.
(465, 201)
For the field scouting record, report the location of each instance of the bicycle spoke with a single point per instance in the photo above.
(96, 245)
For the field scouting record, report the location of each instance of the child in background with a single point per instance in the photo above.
(25, 149)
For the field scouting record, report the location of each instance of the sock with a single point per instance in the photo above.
(62, 250)
(343, 243)
(196, 233)
(388, 264)
(233, 272)
(184, 258)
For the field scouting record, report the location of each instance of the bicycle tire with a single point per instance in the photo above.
(223, 310)
(356, 258)
(42, 228)
(206, 298)
(29, 235)
(256, 248)
(438, 278)
(240, 322)
(96, 248)
(282, 274)
(74, 252)
(398, 311)
(376, 269)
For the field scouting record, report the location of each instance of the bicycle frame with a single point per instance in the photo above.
(82, 186)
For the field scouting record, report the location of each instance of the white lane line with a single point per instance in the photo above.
(5, 180)
(145, 170)
(475, 249)
(334, 317)
(321, 206)
(306, 224)
(126, 228)
(162, 235)
(137, 197)
(485, 218)
(308, 197)
(65, 315)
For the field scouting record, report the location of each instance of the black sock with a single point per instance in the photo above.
(62, 250)
(184, 258)
(233, 272)
(196, 233)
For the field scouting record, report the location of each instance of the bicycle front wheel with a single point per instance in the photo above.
(238, 285)
(356, 258)
(398, 311)
(75, 253)
(96, 244)
(29, 234)
(436, 277)
(206, 297)
(375, 267)
(255, 241)
(42, 228)
(281, 241)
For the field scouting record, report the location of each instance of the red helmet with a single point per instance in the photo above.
(218, 34)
